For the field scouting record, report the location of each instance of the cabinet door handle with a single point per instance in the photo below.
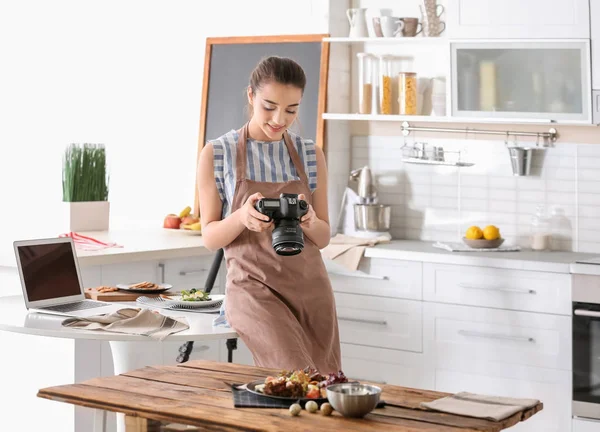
(185, 273)
(587, 313)
(363, 321)
(511, 290)
(360, 275)
(495, 336)
(161, 266)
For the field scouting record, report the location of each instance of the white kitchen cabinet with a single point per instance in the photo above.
(586, 425)
(380, 277)
(504, 353)
(462, 334)
(550, 386)
(385, 366)
(187, 273)
(534, 19)
(380, 322)
(497, 288)
(533, 80)
(595, 36)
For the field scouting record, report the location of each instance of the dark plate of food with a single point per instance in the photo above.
(299, 385)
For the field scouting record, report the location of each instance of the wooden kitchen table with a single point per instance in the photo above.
(165, 398)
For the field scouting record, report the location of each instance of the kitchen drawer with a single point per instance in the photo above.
(380, 277)
(385, 366)
(551, 387)
(187, 273)
(380, 322)
(132, 272)
(458, 335)
(586, 425)
(498, 288)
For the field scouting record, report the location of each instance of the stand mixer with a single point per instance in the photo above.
(371, 219)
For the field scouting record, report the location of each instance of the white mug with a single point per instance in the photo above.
(391, 26)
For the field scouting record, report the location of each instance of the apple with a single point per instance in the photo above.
(172, 221)
(190, 219)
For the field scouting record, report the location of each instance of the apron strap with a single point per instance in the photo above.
(242, 156)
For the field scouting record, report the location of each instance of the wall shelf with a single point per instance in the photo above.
(389, 40)
(448, 119)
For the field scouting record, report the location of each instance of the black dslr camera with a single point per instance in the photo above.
(285, 211)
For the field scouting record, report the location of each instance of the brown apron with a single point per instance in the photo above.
(282, 307)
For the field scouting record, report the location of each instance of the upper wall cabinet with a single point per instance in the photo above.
(547, 81)
(516, 19)
(595, 29)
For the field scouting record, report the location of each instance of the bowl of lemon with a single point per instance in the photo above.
(487, 238)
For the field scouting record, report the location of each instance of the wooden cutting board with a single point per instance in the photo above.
(120, 296)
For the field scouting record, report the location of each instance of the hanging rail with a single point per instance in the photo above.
(551, 135)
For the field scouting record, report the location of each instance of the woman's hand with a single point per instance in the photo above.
(252, 218)
(310, 217)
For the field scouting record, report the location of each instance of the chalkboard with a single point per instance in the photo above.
(228, 64)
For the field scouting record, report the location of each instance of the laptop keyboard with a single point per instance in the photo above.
(70, 307)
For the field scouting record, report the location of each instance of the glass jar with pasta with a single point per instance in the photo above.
(407, 93)
(365, 83)
(386, 84)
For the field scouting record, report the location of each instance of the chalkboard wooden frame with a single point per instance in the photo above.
(323, 75)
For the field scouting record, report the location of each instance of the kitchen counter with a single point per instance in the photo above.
(138, 245)
(413, 250)
(159, 243)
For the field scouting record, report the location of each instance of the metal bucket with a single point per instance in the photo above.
(372, 217)
(520, 160)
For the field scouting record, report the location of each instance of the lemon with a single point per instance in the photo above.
(474, 233)
(491, 232)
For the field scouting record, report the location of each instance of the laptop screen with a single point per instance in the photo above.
(49, 271)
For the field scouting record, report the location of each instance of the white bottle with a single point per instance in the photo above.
(540, 230)
(561, 229)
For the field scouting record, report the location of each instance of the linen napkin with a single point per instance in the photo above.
(348, 251)
(460, 247)
(131, 321)
(495, 408)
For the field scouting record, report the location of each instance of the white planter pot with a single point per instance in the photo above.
(87, 215)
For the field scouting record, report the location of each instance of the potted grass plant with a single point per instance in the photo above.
(85, 187)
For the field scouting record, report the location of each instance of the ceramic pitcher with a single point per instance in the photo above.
(358, 22)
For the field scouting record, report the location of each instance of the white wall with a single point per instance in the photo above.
(125, 73)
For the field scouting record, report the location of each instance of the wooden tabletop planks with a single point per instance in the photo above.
(196, 393)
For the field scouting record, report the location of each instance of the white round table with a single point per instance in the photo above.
(129, 352)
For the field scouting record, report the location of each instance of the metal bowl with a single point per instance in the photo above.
(483, 243)
(372, 217)
(353, 399)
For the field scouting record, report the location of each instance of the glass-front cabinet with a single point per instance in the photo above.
(536, 80)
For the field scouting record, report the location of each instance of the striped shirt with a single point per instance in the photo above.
(266, 161)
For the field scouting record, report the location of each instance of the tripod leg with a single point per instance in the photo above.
(231, 345)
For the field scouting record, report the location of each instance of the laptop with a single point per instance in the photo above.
(51, 280)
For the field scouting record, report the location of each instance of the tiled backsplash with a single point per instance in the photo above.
(441, 202)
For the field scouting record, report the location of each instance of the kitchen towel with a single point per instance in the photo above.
(459, 247)
(131, 321)
(495, 408)
(348, 251)
(89, 243)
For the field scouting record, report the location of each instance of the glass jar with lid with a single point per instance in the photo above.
(386, 84)
(365, 83)
(407, 93)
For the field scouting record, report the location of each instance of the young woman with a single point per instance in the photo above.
(282, 307)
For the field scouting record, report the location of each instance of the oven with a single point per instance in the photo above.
(586, 346)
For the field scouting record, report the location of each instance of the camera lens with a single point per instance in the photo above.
(288, 238)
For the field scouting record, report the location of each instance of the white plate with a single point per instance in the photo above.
(184, 231)
(161, 288)
(176, 300)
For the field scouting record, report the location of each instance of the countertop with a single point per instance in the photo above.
(159, 243)
(413, 250)
(138, 245)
